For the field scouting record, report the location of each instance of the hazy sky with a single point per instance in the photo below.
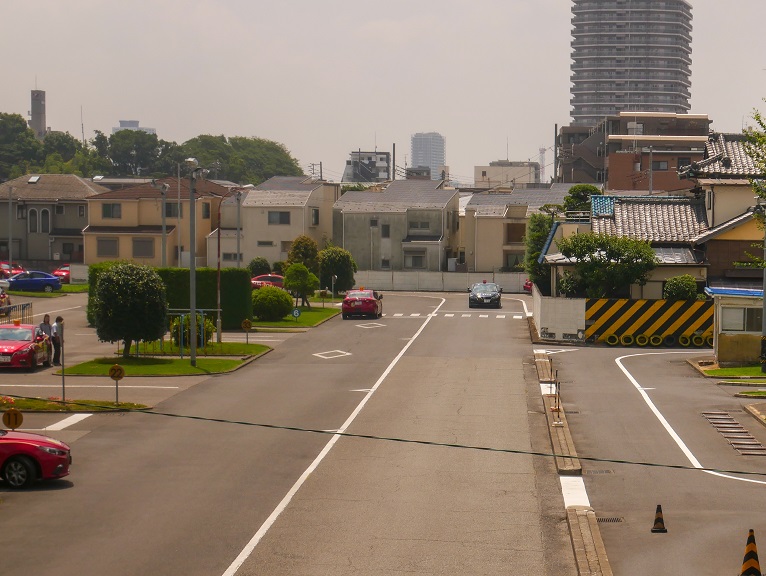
(325, 77)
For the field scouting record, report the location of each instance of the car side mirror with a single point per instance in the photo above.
(380, 296)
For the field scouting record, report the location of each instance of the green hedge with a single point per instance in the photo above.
(236, 291)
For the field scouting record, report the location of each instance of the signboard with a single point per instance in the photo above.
(116, 372)
(12, 418)
(296, 313)
(246, 324)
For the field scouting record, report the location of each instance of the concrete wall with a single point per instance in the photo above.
(558, 318)
(511, 282)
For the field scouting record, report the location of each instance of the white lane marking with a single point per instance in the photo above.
(573, 489)
(361, 390)
(665, 424)
(250, 546)
(56, 311)
(66, 422)
(516, 317)
(500, 316)
(483, 315)
(415, 315)
(122, 386)
(466, 316)
(398, 315)
(449, 315)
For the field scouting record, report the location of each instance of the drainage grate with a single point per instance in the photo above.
(594, 472)
(610, 520)
(734, 433)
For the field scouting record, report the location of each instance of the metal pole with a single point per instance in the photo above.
(239, 201)
(218, 278)
(763, 298)
(192, 270)
(10, 231)
(178, 216)
(164, 192)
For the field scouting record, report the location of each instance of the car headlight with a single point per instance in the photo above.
(51, 450)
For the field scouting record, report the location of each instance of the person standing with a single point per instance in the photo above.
(56, 331)
(45, 327)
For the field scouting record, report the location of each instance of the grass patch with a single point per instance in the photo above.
(167, 348)
(54, 404)
(309, 317)
(753, 393)
(74, 288)
(751, 371)
(152, 366)
(38, 294)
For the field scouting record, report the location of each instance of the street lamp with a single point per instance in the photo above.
(163, 188)
(239, 203)
(195, 174)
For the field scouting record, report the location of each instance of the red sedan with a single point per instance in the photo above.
(267, 280)
(63, 273)
(23, 346)
(362, 303)
(8, 271)
(25, 458)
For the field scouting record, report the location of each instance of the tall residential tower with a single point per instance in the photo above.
(429, 149)
(630, 55)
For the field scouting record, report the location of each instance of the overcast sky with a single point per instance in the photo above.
(325, 77)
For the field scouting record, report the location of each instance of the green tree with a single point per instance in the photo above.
(19, 149)
(578, 197)
(133, 152)
(258, 266)
(61, 143)
(538, 229)
(300, 280)
(682, 287)
(337, 261)
(130, 305)
(607, 265)
(304, 250)
(271, 303)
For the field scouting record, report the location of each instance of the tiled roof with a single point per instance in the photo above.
(725, 157)
(281, 191)
(203, 188)
(289, 184)
(146, 229)
(50, 187)
(655, 219)
(671, 255)
(724, 226)
(398, 196)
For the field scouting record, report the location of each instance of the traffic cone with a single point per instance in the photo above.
(750, 565)
(659, 523)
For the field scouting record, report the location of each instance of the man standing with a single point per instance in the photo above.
(57, 331)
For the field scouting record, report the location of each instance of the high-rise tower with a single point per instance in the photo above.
(430, 149)
(630, 55)
(37, 114)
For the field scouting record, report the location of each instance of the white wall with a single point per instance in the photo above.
(558, 318)
(414, 281)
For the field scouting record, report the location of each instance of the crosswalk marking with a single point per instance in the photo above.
(452, 315)
(449, 315)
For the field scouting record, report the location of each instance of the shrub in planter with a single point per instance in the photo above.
(271, 303)
(205, 330)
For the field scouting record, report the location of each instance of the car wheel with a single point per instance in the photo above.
(345, 316)
(19, 472)
(48, 288)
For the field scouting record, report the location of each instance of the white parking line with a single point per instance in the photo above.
(500, 316)
(58, 386)
(66, 422)
(449, 315)
(483, 315)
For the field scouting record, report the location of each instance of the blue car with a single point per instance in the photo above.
(34, 281)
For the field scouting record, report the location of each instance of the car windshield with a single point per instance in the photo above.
(16, 333)
(360, 294)
(485, 288)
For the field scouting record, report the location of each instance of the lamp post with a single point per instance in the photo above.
(239, 203)
(195, 173)
(163, 188)
(218, 276)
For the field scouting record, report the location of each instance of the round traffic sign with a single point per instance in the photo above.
(116, 372)
(246, 324)
(12, 418)
(296, 312)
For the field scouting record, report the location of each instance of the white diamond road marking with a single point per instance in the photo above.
(332, 354)
(370, 325)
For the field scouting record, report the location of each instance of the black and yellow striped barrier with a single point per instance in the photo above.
(750, 564)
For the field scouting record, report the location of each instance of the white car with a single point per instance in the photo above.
(4, 283)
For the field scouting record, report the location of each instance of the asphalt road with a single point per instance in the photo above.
(707, 516)
(205, 490)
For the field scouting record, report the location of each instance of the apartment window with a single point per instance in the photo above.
(206, 210)
(264, 243)
(32, 220)
(45, 221)
(659, 165)
(419, 226)
(515, 232)
(81, 211)
(373, 222)
(143, 247)
(315, 216)
(231, 256)
(59, 209)
(279, 217)
(483, 173)
(385, 263)
(385, 231)
(414, 259)
(107, 247)
(111, 211)
(741, 319)
(684, 161)
(172, 209)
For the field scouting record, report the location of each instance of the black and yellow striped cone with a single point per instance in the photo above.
(659, 523)
(750, 565)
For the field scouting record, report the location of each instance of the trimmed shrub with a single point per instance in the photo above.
(682, 287)
(271, 303)
(258, 266)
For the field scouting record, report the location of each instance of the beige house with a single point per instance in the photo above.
(126, 224)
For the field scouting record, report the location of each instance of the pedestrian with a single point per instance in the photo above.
(56, 331)
(45, 325)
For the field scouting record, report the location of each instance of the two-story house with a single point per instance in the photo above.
(48, 213)
(409, 225)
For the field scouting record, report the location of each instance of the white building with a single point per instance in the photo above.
(430, 149)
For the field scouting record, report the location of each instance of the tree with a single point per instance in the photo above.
(607, 265)
(578, 197)
(337, 261)
(538, 229)
(682, 287)
(300, 280)
(258, 266)
(130, 305)
(271, 303)
(304, 250)
(61, 143)
(18, 146)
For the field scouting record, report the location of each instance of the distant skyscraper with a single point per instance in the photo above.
(430, 149)
(37, 115)
(132, 125)
(630, 55)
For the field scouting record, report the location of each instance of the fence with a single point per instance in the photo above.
(414, 281)
(17, 312)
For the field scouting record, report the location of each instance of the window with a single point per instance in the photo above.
(483, 173)
(230, 256)
(659, 165)
(285, 245)
(279, 217)
(206, 210)
(59, 209)
(21, 212)
(81, 211)
(684, 161)
(67, 247)
(315, 216)
(419, 226)
(385, 231)
(173, 209)
(32, 220)
(373, 222)
(143, 247)
(515, 232)
(414, 260)
(45, 221)
(265, 243)
(385, 263)
(111, 211)
(741, 319)
(107, 247)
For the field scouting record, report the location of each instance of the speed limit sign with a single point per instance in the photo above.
(12, 418)
(116, 372)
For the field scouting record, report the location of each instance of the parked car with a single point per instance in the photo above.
(26, 458)
(24, 346)
(7, 271)
(362, 303)
(527, 286)
(62, 273)
(34, 281)
(485, 294)
(267, 280)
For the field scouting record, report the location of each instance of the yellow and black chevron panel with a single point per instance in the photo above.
(625, 321)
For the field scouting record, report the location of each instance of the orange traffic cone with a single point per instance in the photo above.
(659, 523)
(750, 565)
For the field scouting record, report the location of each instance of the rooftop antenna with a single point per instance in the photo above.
(507, 156)
(82, 127)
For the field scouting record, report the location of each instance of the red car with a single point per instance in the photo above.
(528, 286)
(8, 271)
(63, 273)
(23, 346)
(362, 303)
(267, 280)
(25, 458)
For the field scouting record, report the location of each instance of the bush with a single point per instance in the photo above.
(271, 303)
(258, 266)
(682, 287)
(279, 268)
(204, 331)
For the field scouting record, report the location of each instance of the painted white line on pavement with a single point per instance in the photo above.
(56, 311)
(122, 386)
(66, 422)
(573, 489)
(248, 549)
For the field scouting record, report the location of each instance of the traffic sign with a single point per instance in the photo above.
(246, 325)
(116, 372)
(12, 418)
(296, 313)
